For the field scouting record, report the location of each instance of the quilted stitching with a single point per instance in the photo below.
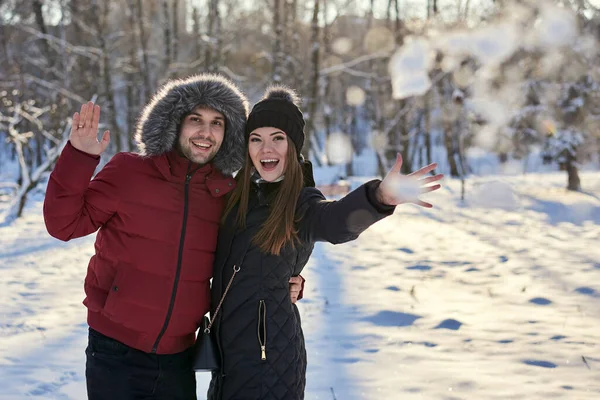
(282, 376)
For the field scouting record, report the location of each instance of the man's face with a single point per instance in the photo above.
(201, 134)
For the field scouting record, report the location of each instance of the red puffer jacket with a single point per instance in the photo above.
(158, 215)
(148, 283)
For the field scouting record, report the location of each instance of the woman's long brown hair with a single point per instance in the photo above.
(278, 229)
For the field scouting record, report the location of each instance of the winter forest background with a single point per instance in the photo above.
(504, 95)
(446, 81)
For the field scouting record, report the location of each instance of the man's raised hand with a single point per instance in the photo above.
(84, 130)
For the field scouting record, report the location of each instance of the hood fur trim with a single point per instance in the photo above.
(158, 127)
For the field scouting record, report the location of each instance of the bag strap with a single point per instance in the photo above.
(236, 269)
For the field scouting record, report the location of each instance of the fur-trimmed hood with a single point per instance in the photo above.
(158, 127)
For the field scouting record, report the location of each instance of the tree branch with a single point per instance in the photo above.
(344, 66)
(54, 86)
(58, 44)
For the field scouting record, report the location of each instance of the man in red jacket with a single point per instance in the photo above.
(157, 213)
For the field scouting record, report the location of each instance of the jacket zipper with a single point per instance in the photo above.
(262, 326)
(188, 178)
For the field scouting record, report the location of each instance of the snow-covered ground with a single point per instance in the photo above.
(494, 298)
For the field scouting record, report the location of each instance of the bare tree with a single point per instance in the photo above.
(175, 44)
(277, 40)
(291, 41)
(133, 77)
(313, 99)
(213, 48)
(401, 137)
(167, 37)
(197, 34)
(143, 48)
(326, 78)
(444, 89)
(39, 20)
(102, 28)
(92, 48)
(21, 115)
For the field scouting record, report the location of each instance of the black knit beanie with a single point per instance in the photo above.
(279, 109)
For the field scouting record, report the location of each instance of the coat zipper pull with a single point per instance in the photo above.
(262, 323)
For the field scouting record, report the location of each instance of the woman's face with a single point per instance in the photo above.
(268, 147)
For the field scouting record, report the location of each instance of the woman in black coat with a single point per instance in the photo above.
(271, 222)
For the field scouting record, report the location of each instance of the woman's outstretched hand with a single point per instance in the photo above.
(396, 189)
(84, 130)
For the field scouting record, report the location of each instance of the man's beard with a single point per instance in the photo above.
(188, 152)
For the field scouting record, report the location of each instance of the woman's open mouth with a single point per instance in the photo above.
(269, 164)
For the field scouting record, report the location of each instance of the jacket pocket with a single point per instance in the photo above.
(262, 329)
(111, 307)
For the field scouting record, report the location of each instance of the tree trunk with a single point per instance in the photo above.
(29, 179)
(573, 181)
(166, 37)
(64, 55)
(444, 91)
(143, 47)
(460, 134)
(39, 20)
(133, 83)
(405, 144)
(278, 30)
(353, 134)
(427, 129)
(382, 168)
(450, 150)
(398, 29)
(397, 135)
(84, 74)
(466, 13)
(326, 80)
(295, 43)
(197, 34)
(218, 52)
(131, 106)
(23, 198)
(211, 58)
(107, 76)
(74, 9)
(314, 81)
(288, 32)
(39, 144)
(416, 142)
(175, 43)
(388, 13)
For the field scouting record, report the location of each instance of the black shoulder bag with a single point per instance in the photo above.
(205, 349)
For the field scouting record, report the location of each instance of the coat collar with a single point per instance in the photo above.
(175, 167)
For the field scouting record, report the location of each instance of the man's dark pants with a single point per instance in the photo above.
(115, 371)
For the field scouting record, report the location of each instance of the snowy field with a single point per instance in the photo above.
(494, 298)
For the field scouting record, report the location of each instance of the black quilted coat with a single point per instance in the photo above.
(258, 328)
